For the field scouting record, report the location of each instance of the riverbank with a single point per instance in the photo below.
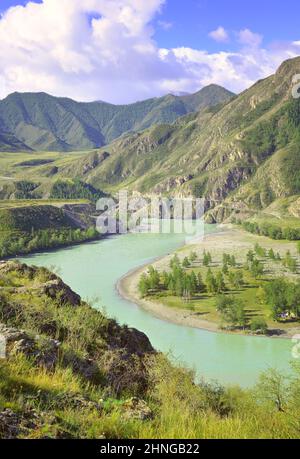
(230, 240)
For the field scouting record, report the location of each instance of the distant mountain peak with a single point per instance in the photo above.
(44, 122)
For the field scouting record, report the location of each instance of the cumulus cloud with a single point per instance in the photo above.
(249, 38)
(100, 49)
(220, 35)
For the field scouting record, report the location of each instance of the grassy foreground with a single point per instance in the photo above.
(73, 373)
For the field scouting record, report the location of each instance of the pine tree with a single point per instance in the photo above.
(211, 282)
(225, 269)
(200, 284)
(220, 284)
(186, 263)
(193, 257)
(144, 285)
(271, 254)
(194, 283)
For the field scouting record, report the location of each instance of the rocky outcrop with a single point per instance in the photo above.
(56, 289)
(119, 356)
(172, 183)
(44, 352)
(53, 287)
(12, 424)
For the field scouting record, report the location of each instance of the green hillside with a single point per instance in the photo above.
(39, 121)
(72, 373)
(8, 142)
(241, 155)
(245, 150)
(30, 225)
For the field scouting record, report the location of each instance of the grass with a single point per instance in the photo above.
(13, 204)
(67, 405)
(204, 305)
(236, 243)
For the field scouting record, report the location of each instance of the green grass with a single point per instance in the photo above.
(67, 405)
(204, 305)
(237, 243)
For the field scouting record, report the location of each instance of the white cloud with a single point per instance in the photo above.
(100, 49)
(249, 38)
(220, 35)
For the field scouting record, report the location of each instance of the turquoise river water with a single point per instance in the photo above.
(93, 269)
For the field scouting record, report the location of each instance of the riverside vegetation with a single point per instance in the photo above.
(70, 372)
(27, 226)
(254, 295)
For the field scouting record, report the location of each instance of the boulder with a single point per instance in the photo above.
(43, 351)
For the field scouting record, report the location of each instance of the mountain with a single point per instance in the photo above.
(9, 143)
(241, 155)
(243, 151)
(42, 122)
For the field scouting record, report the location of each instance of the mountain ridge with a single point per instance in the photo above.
(224, 153)
(43, 122)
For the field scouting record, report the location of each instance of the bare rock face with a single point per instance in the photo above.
(43, 351)
(171, 183)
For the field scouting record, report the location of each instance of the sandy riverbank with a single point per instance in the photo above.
(230, 240)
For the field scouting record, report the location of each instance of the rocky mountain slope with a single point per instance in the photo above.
(41, 122)
(246, 150)
(69, 372)
(241, 155)
(59, 354)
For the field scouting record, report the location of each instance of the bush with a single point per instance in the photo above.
(259, 325)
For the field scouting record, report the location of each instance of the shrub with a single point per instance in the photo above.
(259, 325)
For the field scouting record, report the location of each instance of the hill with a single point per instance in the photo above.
(29, 225)
(241, 155)
(71, 372)
(42, 122)
(244, 152)
(9, 143)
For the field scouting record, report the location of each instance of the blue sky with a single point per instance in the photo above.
(193, 19)
(126, 50)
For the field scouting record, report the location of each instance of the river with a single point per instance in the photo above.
(93, 269)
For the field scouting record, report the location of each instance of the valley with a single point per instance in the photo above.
(151, 335)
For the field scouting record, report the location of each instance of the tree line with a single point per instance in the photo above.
(23, 243)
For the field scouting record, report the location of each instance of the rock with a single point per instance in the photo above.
(135, 408)
(52, 171)
(12, 424)
(86, 367)
(43, 351)
(124, 372)
(58, 290)
(134, 341)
